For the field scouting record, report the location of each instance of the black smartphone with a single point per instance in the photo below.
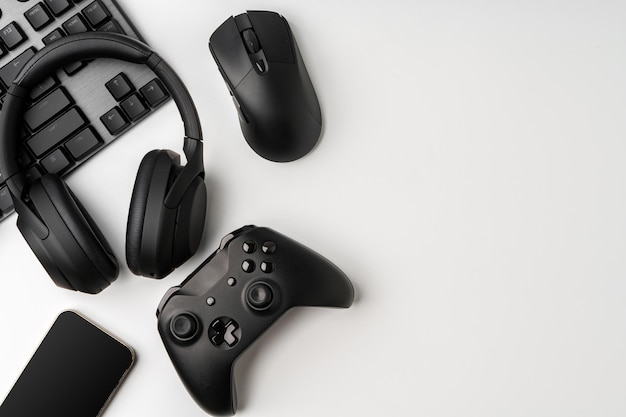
(73, 373)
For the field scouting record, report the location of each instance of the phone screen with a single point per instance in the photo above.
(73, 373)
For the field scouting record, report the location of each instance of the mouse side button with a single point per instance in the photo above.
(229, 52)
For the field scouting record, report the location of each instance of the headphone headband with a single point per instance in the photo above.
(81, 47)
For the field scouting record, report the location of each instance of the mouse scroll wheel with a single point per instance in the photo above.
(251, 41)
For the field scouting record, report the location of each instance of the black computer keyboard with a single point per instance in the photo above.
(85, 105)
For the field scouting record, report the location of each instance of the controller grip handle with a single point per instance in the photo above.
(213, 388)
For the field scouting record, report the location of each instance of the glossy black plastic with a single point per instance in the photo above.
(233, 308)
(278, 109)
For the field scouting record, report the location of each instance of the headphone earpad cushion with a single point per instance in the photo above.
(190, 220)
(137, 211)
(81, 253)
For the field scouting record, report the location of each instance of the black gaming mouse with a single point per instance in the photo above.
(278, 109)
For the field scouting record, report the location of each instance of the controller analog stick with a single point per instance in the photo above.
(259, 296)
(184, 327)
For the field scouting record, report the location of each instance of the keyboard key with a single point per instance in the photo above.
(43, 87)
(114, 121)
(73, 68)
(134, 107)
(154, 92)
(96, 13)
(75, 24)
(38, 16)
(12, 35)
(56, 132)
(58, 6)
(47, 108)
(10, 70)
(56, 162)
(24, 158)
(32, 174)
(120, 86)
(112, 26)
(83, 143)
(6, 202)
(55, 35)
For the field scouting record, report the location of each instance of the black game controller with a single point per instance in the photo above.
(254, 277)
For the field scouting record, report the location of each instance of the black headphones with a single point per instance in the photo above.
(168, 204)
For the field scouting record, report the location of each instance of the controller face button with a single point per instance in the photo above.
(267, 267)
(249, 246)
(268, 247)
(231, 282)
(224, 333)
(248, 266)
(210, 301)
(259, 296)
(184, 327)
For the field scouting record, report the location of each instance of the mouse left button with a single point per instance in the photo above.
(230, 55)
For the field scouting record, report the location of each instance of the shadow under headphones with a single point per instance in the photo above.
(168, 205)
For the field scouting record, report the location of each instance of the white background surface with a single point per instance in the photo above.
(470, 181)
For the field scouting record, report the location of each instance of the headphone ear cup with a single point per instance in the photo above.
(190, 221)
(151, 225)
(75, 253)
(137, 211)
(160, 238)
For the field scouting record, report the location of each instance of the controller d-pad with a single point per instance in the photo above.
(224, 333)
